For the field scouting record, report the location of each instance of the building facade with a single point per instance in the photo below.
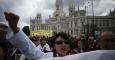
(76, 23)
(36, 24)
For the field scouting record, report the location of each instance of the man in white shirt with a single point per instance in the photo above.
(44, 47)
(28, 48)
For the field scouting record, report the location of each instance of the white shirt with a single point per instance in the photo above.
(45, 47)
(29, 49)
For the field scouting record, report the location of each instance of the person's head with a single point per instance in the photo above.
(78, 40)
(91, 39)
(43, 41)
(61, 44)
(107, 41)
(35, 40)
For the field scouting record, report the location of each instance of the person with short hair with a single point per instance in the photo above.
(107, 41)
(44, 47)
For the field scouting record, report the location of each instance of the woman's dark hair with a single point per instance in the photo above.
(62, 35)
(43, 39)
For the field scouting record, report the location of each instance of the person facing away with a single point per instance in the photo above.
(29, 49)
(107, 41)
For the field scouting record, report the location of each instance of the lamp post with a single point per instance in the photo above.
(90, 3)
(87, 5)
(93, 30)
(87, 28)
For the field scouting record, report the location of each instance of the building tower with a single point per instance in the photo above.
(72, 10)
(59, 8)
(38, 18)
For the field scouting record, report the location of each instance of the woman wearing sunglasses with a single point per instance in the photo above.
(60, 44)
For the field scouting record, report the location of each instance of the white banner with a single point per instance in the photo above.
(94, 55)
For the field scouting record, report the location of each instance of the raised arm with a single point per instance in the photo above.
(20, 40)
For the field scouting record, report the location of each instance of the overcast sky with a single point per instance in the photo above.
(29, 8)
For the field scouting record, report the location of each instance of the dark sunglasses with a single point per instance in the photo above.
(60, 42)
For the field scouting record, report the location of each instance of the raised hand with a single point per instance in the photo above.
(12, 21)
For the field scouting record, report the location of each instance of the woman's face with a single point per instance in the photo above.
(79, 44)
(61, 46)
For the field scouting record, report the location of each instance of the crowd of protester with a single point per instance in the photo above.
(73, 44)
(62, 44)
(76, 43)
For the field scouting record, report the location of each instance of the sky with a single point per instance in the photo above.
(27, 9)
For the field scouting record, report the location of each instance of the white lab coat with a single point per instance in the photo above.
(47, 55)
(28, 48)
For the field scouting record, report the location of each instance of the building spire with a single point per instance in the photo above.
(59, 4)
(72, 9)
(59, 8)
(72, 4)
(78, 7)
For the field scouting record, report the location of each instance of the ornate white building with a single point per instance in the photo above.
(71, 24)
(36, 24)
(76, 23)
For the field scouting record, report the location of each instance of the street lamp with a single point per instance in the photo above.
(91, 3)
(86, 6)
(93, 30)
